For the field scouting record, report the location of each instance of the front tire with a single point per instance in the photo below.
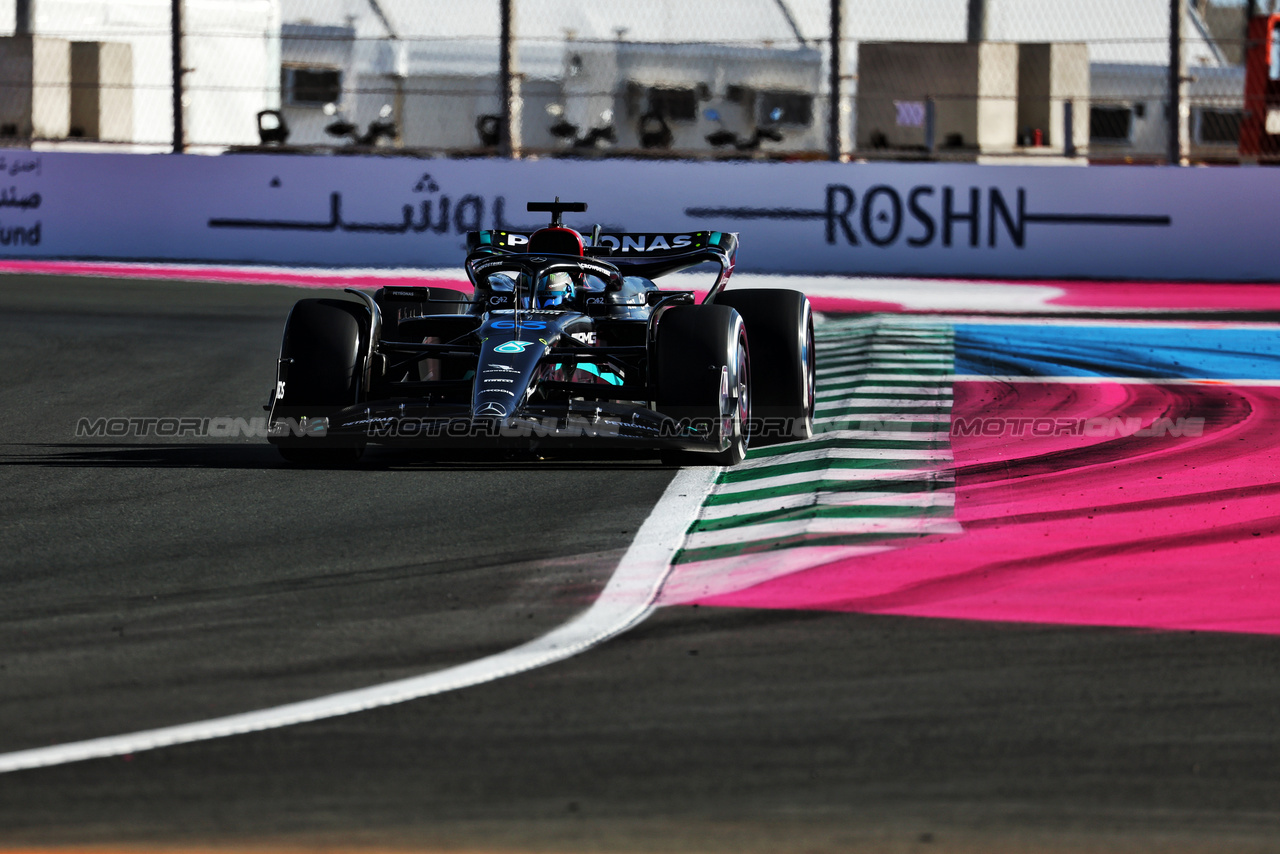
(704, 379)
(780, 323)
(323, 357)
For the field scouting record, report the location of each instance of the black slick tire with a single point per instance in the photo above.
(704, 378)
(780, 325)
(324, 352)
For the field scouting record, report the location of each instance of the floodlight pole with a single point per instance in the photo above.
(179, 132)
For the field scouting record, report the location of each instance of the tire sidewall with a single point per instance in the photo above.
(780, 325)
(696, 359)
(323, 368)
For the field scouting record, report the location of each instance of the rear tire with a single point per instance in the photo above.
(325, 345)
(704, 376)
(780, 323)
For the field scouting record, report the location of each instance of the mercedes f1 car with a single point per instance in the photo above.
(565, 342)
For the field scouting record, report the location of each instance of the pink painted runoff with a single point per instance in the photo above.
(1162, 532)
(1144, 296)
(1165, 295)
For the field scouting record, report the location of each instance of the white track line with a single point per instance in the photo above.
(941, 389)
(626, 600)
(923, 475)
(913, 416)
(915, 500)
(829, 453)
(799, 527)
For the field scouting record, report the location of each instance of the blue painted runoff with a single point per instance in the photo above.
(1118, 351)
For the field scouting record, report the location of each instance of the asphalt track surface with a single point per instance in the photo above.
(146, 582)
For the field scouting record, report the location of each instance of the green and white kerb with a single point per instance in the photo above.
(877, 472)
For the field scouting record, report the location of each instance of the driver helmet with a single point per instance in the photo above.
(554, 290)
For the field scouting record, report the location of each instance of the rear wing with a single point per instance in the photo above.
(638, 254)
(620, 245)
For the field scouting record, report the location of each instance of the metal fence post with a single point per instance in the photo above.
(1069, 128)
(1177, 139)
(175, 26)
(509, 132)
(22, 18)
(833, 112)
(976, 29)
(930, 125)
(1250, 12)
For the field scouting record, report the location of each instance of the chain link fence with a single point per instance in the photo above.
(937, 79)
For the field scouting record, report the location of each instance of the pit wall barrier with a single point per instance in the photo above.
(893, 219)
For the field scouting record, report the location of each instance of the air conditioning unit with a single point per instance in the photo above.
(35, 100)
(102, 91)
(974, 88)
(1049, 77)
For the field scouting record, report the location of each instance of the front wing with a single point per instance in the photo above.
(581, 424)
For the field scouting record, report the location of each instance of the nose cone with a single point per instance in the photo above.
(512, 348)
(503, 374)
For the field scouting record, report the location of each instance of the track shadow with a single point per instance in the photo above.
(242, 456)
(139, 455)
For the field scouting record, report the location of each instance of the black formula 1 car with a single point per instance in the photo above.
(565, 343)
